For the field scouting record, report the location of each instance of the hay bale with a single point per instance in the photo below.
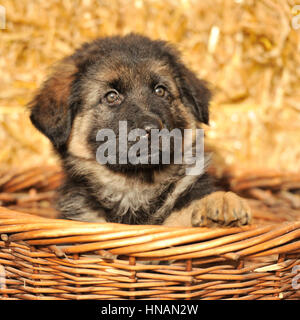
(248, 51)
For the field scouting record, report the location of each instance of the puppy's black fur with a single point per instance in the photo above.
(76, 101)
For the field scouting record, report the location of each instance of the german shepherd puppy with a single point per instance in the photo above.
(144, 83)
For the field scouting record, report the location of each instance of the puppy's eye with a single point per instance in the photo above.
(112, 96)
(160, 91)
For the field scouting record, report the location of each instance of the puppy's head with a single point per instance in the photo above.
(128, 79)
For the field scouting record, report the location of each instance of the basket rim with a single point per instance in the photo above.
(155, 242)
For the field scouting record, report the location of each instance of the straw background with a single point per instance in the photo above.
(250, 54)
(246, 49)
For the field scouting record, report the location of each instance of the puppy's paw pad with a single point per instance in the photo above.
(221, 209)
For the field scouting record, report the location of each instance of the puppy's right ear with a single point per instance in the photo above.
(195, 94)
(50, 109)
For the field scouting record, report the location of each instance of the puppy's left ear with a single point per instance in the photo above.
(194, 94)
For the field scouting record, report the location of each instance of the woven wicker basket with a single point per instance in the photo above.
(47, 258)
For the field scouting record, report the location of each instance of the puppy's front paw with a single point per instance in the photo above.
(221, 209)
